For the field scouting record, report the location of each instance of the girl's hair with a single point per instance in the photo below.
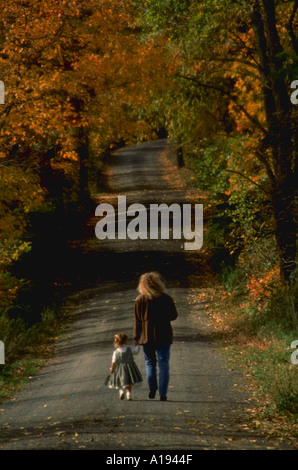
(120, 338)
(151, 285)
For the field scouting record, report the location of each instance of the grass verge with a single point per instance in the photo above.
(27, 349)
(261, 350)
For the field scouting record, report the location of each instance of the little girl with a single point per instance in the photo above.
(124, 371)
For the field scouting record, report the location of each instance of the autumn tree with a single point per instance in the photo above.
(234, 63)
(276, 46)
(75, 74)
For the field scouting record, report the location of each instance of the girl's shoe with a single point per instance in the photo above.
(128, 395)
(121, 394)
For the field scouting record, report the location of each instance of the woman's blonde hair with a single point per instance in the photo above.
(151, 285)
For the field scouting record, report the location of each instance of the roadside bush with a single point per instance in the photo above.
(284, 306)
(260, 316)
(21, 340)
(13, 334)
(285, 390)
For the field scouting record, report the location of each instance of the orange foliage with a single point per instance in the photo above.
(70, 68)
(260, 288)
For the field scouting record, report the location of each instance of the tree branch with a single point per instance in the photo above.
(267, 167)
(290, 27)
(242, 108)
(247, 178)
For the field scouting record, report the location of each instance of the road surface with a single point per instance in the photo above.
(67, 406)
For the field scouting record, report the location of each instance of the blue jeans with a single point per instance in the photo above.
(161, 356)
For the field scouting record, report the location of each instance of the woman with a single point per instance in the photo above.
(154, 310)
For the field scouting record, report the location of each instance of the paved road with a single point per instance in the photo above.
(67, 406)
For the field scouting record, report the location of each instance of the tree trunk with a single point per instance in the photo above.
(83, 153)
(283, 201)
(280, 139)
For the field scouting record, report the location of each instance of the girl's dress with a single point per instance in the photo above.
(126, 372)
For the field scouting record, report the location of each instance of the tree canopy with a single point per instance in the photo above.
(80, 77)
(235, 63)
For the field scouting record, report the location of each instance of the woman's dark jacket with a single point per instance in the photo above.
(152, 320)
